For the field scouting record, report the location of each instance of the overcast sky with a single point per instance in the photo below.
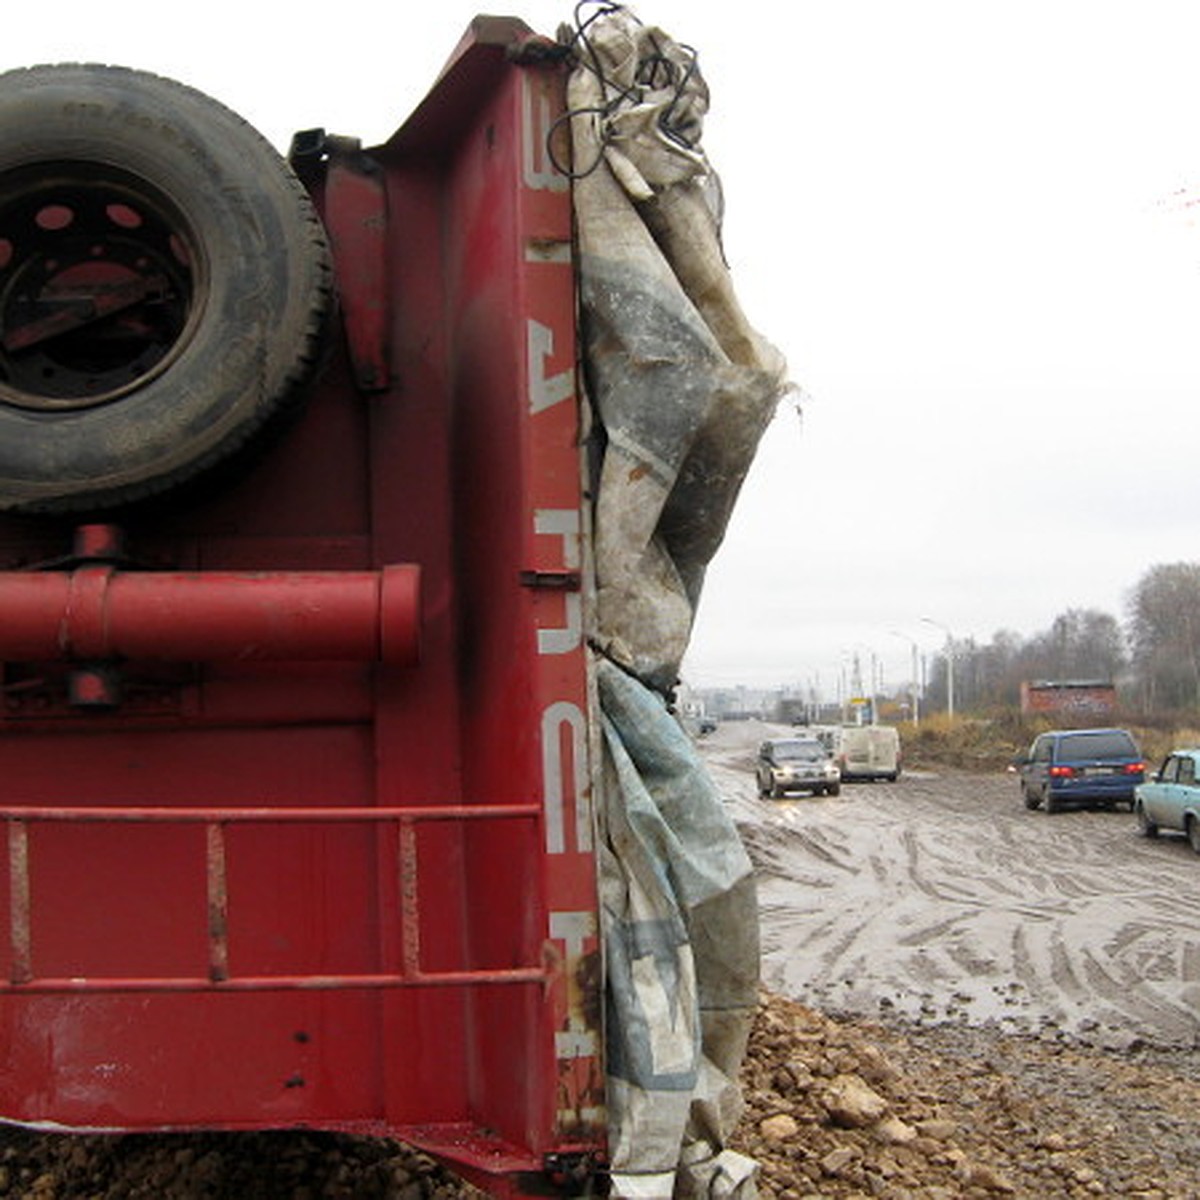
(970, 227)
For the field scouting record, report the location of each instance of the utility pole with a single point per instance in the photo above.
(949, 664)
(915, 687)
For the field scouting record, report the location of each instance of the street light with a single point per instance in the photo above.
(949, 664)
(916, 702)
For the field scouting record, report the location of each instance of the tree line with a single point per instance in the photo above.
(1153, 656)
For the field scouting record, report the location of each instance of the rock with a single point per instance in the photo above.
(874, 1066)
(981, 1175)
(836, 1161)
(894, 1131)
(852, 1104)
(792, 1077)
(779, 1128)
(939, 1130)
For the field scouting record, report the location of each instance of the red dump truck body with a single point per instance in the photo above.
(295, 759)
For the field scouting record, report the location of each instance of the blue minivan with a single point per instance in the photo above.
(1081, 766)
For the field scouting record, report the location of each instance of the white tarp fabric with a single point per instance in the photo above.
(682, 388)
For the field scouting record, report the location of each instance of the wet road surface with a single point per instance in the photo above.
(941, 898)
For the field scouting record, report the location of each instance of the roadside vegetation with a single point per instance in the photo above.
(991, 742)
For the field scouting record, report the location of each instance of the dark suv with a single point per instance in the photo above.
(1078, 766)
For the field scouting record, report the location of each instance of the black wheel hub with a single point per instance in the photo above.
(98, 286)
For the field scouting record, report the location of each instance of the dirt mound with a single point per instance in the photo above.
(218, 1166)
(849, 1109)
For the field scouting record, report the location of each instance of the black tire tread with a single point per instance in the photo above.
(312, 326)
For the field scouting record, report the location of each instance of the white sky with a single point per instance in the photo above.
(969, 226)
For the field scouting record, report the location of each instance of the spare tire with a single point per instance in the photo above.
(164, 286)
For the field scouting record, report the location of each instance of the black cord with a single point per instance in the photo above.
(655, 71)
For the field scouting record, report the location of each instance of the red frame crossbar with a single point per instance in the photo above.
(215, 820)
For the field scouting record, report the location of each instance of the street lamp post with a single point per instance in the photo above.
(949, 664)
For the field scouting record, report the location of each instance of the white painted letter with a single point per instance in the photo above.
(553, 790)
(545, 391)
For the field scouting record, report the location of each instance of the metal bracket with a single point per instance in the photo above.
(354, 206)
(560, 581)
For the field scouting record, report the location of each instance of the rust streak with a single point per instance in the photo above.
(18, 886)
(410, 912)
(218, 904)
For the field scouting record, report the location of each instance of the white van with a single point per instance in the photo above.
(862, 751)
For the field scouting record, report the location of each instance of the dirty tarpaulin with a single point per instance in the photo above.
(682, 388)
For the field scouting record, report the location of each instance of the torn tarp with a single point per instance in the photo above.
(682, 388)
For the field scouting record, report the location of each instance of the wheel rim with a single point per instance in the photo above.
(101, 284)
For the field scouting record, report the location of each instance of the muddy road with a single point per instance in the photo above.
(940, 898)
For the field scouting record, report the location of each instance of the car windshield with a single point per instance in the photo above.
(1109, 743)
(798, 751)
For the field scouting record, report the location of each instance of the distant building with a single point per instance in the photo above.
(1088, 698)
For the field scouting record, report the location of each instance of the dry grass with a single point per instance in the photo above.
(990, 743)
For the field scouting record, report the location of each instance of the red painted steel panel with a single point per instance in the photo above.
(353, 895)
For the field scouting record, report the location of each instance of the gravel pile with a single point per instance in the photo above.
(849, 1109)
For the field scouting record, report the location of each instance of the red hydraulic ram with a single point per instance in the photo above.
(99, 612)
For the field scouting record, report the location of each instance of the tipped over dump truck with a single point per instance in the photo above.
(354, 511)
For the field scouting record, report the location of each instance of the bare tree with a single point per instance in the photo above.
(1164, 630)
(1081, 643)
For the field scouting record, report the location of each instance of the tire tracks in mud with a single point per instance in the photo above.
(940, 898)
